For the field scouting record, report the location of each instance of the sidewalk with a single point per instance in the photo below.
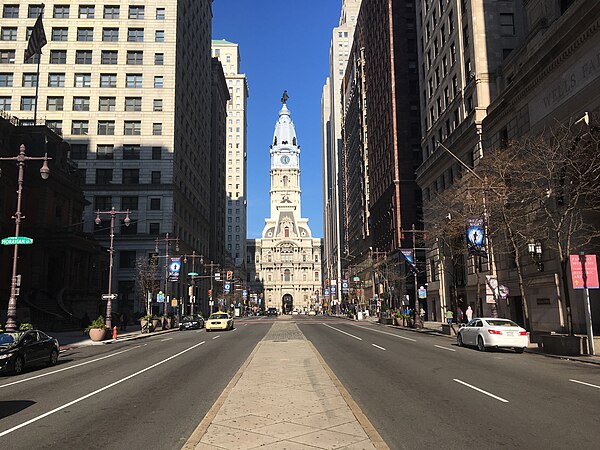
(285, 397)
(74, 339)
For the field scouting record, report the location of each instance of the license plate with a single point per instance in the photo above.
(509, 333)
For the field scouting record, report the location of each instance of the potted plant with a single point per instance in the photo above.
(25, 326)
(97, 329)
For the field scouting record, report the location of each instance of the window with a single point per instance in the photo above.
(10, 12)
(79, 127)
(135, 57)
(453, 53)
(127, 259)
(6, 79)
(83, 57)
(159, 59)
(132, 128)
(136, 12)
(102, 202)
(83, 80)
(158, 104)
(507, 24)
(154, 228)
(135, 35)
(85, 34)
(106, 127)
(157, 129)
(466, 35)
(133, 103)
(58, 56)
(129, 203)
(107, 104)
(34, 11)
(131, 152)
(7, 56)
(111, 12)
(86, 11)
(104, 176)
(79, 151)
(134, 80)
(158, 82)
(29, 79)
(60, 34)
(8, 34)
(5, 103)
(81, 103)
(155, 204)
(156, 153)
(160, 14)
(108, 80)
(56, 80)
(105, 151)
(110, 34)
(61, 11)
(131, 176)
(155, 177)
(159, 36)
(27, 103)
(109, 57)
(450, 21)
(55, 103)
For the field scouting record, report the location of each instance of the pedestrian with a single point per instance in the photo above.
(459, 315)
(469, 313)
(422, 314)
(121, 321)
(449, 316)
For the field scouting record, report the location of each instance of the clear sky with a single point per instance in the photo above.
(283, 45)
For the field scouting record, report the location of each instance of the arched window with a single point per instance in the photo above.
(286, 275)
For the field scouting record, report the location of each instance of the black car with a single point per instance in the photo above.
(272, 312)
(27, 348)
(191, 322)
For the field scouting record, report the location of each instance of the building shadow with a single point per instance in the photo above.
(10, 407)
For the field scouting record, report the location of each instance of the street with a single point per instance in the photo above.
(418, 390)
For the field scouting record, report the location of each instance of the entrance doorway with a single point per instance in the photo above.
(288, 304)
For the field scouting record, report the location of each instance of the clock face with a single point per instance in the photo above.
(285, 159)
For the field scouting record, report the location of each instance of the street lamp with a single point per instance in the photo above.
(167, 240)
(109, 297)
(11, 316)
(193, 274)
(535, 251)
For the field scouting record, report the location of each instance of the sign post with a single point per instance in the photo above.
(584, 275)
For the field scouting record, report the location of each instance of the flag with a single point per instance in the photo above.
(37, 39)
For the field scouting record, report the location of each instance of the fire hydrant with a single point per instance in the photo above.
(114, 336)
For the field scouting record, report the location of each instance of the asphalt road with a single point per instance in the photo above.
(143, 394)
(423, 391)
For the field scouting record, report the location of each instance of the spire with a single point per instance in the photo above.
(285, 133)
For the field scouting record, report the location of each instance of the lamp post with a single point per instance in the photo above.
(113, 213)
(193, 275)
(11, 320)
(535, 251)
(167, 240)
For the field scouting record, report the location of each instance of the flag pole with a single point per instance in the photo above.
(37, 87)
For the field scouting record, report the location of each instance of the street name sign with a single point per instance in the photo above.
(109, 296)
(193, 274)
(16, 240)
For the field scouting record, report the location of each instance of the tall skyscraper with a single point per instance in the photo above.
(129, 86)
(236, 214)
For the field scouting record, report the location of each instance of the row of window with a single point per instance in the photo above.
(130, 230)
(135, 12)
(128, 202)
(82, 104)
(58, 79)
(107, 151)
(84, 34)
(128, 176)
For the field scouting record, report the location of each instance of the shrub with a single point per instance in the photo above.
(97, 323)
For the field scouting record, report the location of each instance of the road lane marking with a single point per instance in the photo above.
(216, 337)
(574, 381)
(385, 332)
(336, 329)
(375, 345)
(167, 339)
(445, 348)
(68, 368)
(97, 391)
(481, 390)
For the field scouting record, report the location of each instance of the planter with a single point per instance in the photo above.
(562, 345)
(143, 324)
(398, 321)
(155, 323)
(97, 334)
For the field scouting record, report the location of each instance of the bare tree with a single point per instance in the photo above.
(146, 281)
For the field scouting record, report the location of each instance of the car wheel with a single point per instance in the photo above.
(480, 344)
(19, 365)
(459, 340)
(519, 349)
(53, 358)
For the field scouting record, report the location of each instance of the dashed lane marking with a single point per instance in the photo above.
(445, 348)
(348, 334)
(380, 348)
(489, 394)
(574, 381)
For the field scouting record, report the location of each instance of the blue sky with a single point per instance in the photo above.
(283, 45)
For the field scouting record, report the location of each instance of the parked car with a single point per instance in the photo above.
(194, 321)
(487, 332)
(219, 321)
(272, 312)
(27, 348)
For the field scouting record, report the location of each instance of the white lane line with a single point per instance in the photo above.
(97, 391)
(380, 348)
(216, 337)
(445, 348)
(167, 339)
(574, 381)
(336, 329)
(385, 332)
(481, 390)
(68, 368)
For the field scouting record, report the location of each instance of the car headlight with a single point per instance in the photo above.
(6, 355)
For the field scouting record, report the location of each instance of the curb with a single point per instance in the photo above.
(116, 341)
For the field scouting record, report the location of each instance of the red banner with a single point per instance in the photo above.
(584, 272)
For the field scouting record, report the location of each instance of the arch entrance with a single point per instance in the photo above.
(287, 304)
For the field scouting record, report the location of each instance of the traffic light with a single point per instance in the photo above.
(210, 292)
(229, 275)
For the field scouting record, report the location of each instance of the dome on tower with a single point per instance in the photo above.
(285, 133)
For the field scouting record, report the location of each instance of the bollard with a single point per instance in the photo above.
(114, 336)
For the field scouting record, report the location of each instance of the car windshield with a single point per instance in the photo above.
(189, 318)
(9, 338)
(218, 316)
(501, 323)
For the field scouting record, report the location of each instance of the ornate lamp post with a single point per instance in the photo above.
(113, 213)
(11, 321)
(193, 275)
(167, 240)
(535, 251)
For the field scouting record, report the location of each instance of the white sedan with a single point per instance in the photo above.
(486, 332)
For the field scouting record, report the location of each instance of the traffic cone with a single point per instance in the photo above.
(114, 336)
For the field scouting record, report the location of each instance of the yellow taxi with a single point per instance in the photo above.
(219, 321)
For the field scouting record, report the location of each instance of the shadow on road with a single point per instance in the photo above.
(10, 407)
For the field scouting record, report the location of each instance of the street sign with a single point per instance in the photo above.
(109, 296)
(217, 276)
(160, 297)
(584, 272)
(16, 240)
(193, 274)
(174, 268)
(422, 292)
(356, 279)
(174, 302)
(503, 292)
